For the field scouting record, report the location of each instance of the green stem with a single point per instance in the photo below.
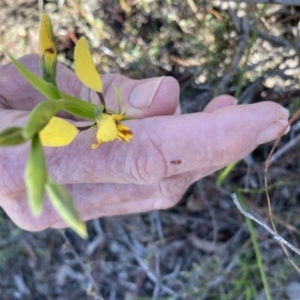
(257, 252)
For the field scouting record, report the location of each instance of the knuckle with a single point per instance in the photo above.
(176, 185)
(18, 211)
(172, 189)
(164, 203)
(149, 164)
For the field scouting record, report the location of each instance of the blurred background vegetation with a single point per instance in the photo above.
(203, 248)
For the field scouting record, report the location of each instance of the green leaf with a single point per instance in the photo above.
(81, 108)
(12, 136)
(78, 107)
(45, 88)
(63, 203)
(120, 100)
(225, 172)
(40, 116)
(74, 106)
(36, 176)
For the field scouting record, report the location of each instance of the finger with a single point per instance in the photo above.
(170, 145)
(220, 102)
(100, 200)
(142, 98)
(105, 200)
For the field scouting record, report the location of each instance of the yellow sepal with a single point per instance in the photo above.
(84, 66)
(107, 130)
(58, 133)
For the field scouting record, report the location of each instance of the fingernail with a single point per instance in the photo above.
(142, 95)
(235, 102)
(285, 111)
(273, 131)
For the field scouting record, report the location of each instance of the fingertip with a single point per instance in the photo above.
(169, 87)
(275, 130)
(143, 94)
(154, 97)
(220, 102)
(167, 95)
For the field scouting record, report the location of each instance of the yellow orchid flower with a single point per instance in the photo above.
(43, 128)
(58, 133)
(109, 126)
(109, 129)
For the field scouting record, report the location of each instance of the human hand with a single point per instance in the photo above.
(168, 152)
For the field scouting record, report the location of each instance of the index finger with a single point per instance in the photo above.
(169, 145)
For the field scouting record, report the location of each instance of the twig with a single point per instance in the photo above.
(85, 270)
(156, 218)
(273, 39)
(177, 19)
(210, 211)
(295, 116)
(247, 95)
(143, 265)
(275, 235)
(194, 9)
(291, 144)
(242, 50)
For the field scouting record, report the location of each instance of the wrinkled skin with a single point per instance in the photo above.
(168, 153)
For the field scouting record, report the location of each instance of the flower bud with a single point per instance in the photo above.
(47, 51)
(40, 116)
(36, 176)
(12, 136)
(63, 203)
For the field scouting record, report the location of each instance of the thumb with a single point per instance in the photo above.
(142, 98)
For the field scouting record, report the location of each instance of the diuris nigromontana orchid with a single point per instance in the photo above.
(57, 133)
(44, 128)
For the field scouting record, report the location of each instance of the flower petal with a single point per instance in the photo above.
(58, 133)
(124, 133)
(107, 130)
(84, 66)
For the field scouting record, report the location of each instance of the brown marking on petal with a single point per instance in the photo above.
(50, 50)
(125, 131)
(176, 162)
(125, 135)
(122, 139)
